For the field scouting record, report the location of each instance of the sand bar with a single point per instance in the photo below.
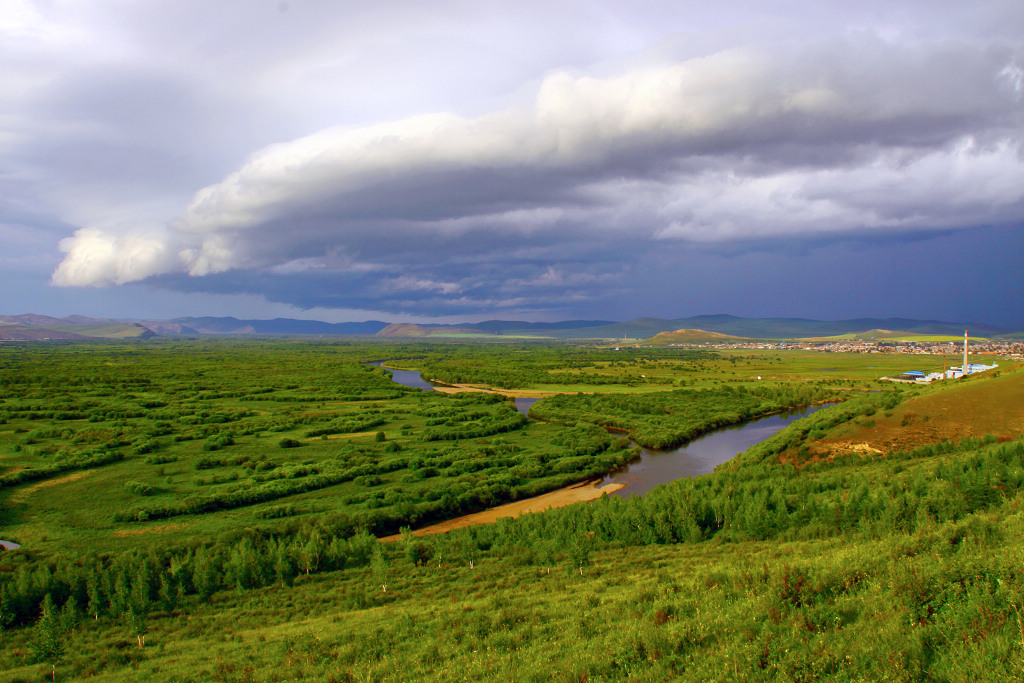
(553, 499)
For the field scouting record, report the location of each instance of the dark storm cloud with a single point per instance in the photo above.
(683, 151)
(471, 158)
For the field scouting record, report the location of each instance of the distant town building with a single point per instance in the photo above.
(912, 376)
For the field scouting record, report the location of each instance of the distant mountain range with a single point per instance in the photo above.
(31, 327)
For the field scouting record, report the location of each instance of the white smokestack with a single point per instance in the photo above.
(965, 352)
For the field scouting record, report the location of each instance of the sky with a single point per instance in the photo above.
(463, 160)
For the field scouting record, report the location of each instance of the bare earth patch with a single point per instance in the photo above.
(861, 449)
(24, 493)
(554, 499)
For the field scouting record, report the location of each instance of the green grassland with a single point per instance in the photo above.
(169, 442)
(150, 517)
(854, 370)
(106, 446)
(632, 369)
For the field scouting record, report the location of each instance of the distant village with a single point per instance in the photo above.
(1012, 350)
(1008, 348)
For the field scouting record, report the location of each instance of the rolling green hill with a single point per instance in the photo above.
(420, 331)
(31, 327)
(689, 335)
(108, 330)
(12, 332)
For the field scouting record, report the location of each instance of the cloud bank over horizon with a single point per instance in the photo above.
(569, 181)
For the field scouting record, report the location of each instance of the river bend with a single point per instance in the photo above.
(653, 467)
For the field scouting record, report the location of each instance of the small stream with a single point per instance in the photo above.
(654, 467)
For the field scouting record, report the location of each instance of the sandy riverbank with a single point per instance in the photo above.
(511, 393)
(553, 499)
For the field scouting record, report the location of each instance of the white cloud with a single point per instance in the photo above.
(412, 284)
(95, 257)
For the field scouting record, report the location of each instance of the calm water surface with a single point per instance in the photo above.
(698, 457)
(523, 405)
(408, 378)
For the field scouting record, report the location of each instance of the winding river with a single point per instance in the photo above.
(408, 378)
(654, 467)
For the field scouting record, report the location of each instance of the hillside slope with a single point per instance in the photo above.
(108, 330)
(684, 336)
(14, 332)
(953, 410)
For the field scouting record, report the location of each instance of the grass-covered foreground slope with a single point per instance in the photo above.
(786, 564)
(936, 604)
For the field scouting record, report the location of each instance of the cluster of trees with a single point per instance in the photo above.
(346, 426)
(76, 461)
(97, 586)
(443, 480)
(256, 490)
(505, 420)
(365, 395)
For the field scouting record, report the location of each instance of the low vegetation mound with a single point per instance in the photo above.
(690, 335)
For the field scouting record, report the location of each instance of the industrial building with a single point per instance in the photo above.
(966, 368)
(912, 376)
